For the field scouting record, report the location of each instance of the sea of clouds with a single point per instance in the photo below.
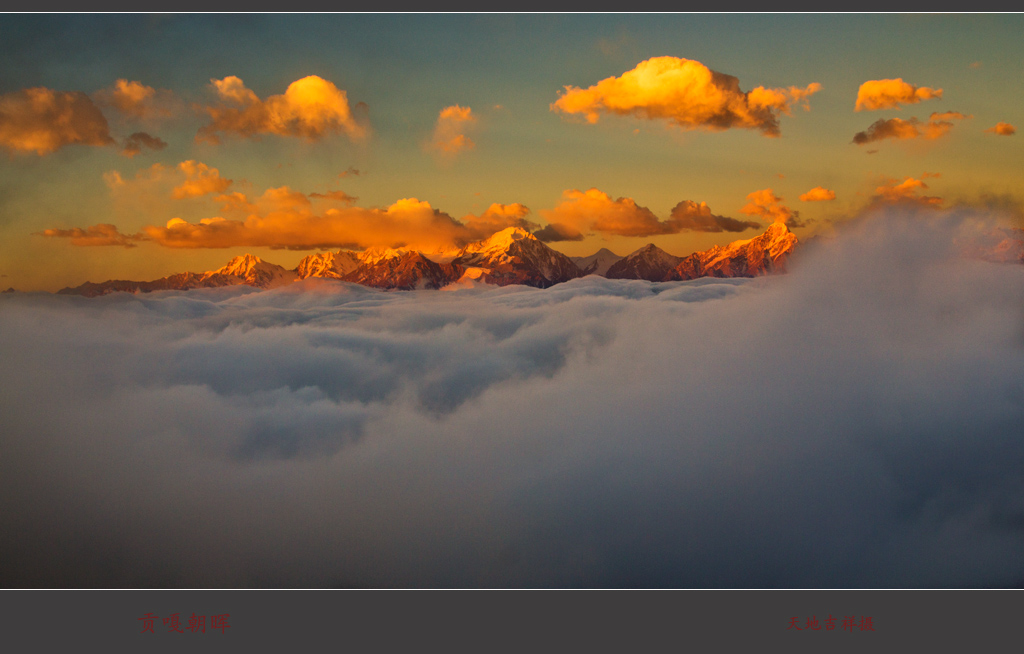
(858, 422)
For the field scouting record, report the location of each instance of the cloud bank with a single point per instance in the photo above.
(853, 423)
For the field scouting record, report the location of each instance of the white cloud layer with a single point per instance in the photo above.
(853, 423)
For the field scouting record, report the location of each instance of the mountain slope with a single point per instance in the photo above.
(515, 256)
(246, 269)
(760, 255)
(332, 265)
(597, 263)
(649, 262)
(403, 270)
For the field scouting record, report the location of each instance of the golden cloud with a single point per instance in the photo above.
(594, 210)
(818, 194)
(767, 205)
(450, 133)
(906, 192)
(283, 218)
(496, 218)
(137, 100)
(200, 179)
(103, 234)
(1002, 129)
(236, 203)
(42, 120)
(686, 93)
(891, 93)
(406, 223)
(311, 108)
(938, 125)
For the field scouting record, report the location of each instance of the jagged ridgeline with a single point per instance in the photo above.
(511, 256)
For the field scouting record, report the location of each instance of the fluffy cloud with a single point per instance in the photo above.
(595, 210)
(200, 180)
(686, 93)
(818, 194)
(938, 125)
(312, 108)
(767, 205)
(42, 120)
(843, 425)
(102, 234)
(891, 93)
(283, 218)
(906, 192)
(496, 218)
(697, 217)
(1002, 129)
(137, 100)
(134, 144)
(451, 131)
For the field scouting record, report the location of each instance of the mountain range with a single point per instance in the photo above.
(511, 256)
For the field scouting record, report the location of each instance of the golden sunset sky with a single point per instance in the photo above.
(137, 146)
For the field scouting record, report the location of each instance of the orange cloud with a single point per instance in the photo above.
(496, 218)
(284, 219)
(691, 216)
(938, 125)
(236, 203)
(200, 179)
(137, 100)
(134, 144)
(42, 120)
(906, 192)
(406, 223)
(1002, 129)
(311, 108)
(102, 234)
(450, 133)
(595, 210)
(818, 194)
(891, 93)
(767, 205)
(686, 93)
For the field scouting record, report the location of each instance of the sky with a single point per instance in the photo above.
(137, 146)
(851, 423)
